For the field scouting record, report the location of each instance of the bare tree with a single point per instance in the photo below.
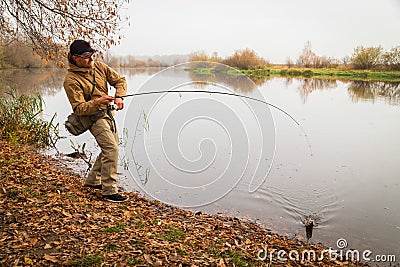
(391, 59)
(289, 62)
(307, 57)
(51, 24)
(346, 60)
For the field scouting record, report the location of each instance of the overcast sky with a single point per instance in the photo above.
(275, 29)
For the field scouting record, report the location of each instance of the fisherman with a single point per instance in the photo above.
(86, 87)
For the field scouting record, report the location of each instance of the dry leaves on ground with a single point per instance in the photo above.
(48, 219)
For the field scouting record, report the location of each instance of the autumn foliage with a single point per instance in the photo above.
(245, 59)
(241, 59)
(50, 25)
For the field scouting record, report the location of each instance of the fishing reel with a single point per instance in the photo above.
(112, 106)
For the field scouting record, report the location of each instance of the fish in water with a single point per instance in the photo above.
(309, 224)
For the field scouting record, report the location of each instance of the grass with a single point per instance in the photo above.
(118, 227)
(172, 234)
(140, 224)
(20, 121)
(12, 194)
(262, 72)
(87, 260)
(364, 75)
(112, 247)
(133, 261)
(236, 258)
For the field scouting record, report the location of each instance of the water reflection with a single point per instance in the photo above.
(49, 82)
(130, 72)
(26, 81)
(388, 91)
(307, 86)
(217, 74)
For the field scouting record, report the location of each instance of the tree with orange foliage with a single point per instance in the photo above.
(50, 24)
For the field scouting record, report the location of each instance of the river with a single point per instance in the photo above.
(325, 149)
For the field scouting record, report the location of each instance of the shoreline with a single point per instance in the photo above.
(325, 73)
(49, 219)
(274, 71)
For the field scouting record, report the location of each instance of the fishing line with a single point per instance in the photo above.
(229, 94)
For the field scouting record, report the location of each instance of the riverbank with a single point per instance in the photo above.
(49, 219)
(262, 73)
(339, 74)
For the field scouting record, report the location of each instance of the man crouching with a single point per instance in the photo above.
(86, 87)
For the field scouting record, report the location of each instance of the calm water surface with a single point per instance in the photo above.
(210, 152)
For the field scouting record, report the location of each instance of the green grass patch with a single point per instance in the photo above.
(122, 207)
(118, 227)
(172, 234)
(112, 247)
(87, 260)
(364, 75)
(235, 258)
(139, 224)
(133, 261)
(12, 193)
(213, 250)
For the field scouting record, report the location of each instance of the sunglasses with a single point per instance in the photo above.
(85, 55)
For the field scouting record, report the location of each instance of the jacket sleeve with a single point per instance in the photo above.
(116, 80)
(77, 100)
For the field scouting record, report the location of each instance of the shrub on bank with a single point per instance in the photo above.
(20, 120)
(245, 59)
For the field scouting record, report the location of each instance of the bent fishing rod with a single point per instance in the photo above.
(222, 93)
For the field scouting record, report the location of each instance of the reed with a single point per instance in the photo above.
(20, 120)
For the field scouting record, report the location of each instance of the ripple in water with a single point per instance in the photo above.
(304, 205)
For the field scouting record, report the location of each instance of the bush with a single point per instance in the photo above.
(20, 121)
(245, 59)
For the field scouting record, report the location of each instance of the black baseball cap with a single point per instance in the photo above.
(78, 47)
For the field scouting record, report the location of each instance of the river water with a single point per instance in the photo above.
(326, 149)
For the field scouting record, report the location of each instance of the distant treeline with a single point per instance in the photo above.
(16, 54)
(131, 62)
(363, 58)
(19, 54)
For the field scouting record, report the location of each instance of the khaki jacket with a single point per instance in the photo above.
(78, 84)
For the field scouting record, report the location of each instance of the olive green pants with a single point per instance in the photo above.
(104, 170)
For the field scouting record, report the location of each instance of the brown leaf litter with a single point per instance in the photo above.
(47, 218)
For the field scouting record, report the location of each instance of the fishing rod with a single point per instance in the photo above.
(223, 93)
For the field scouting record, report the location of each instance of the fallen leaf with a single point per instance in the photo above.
(28, 261)
(221, 263)
(50, 258)
(148, 259)
(66, 214)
